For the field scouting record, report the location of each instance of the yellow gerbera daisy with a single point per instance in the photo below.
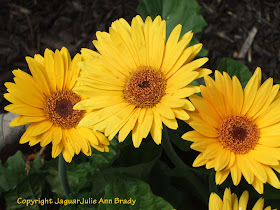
(237, 131)
(46, 100)
(230, 202)
(138, 81)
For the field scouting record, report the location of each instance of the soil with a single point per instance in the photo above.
(229, 25)
(28, 27)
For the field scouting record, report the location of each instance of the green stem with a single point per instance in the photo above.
(194, 180)
(62, 171)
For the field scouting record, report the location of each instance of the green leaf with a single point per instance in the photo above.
(80, 176)
(105, 159)
(234, 68)
(29, 188)
(163, 184)
(176, 136)
(137, 194)
(12, 172)
(52, 177)
(212, 182)
(36, 164)
(136, 163)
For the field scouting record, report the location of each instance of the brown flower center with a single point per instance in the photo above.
(145, 87)
(59, 109)
(238, 134)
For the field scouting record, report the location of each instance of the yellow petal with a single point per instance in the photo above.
(211, 150)
(172, 55)
(202, 127)
(272, 179)
(261, 97)
(196, 50)
(222, 159)
(180, 62)
(171, 101)
(170, 123)
(147, 123)
(22, 120)
(125, 130)
(49, 69)
(271, 116)
(271, 98)
(256, 168)
(271, 141)
(119, 118)
(221, 176)
(243, 200)
(23, 93)
(181, 114)
(37, 71)
(207, 112)
(273, 130)
(215, 202)
(73, 72)
(235, 174)
(247, 173)
(136, 137)
(40, 127)
(46, 137)
(156, 133)
(138, 39)
(199, 161)
(258, 185)
(89, 135)
(185, 75)
(165, 111)
(101, 138)
(24, 109)
(264, 157)
(259, 204)
(237, 98)
(215, 96)
(56, 135)
(170, 47)
(98, 102)
(184, 92)
(202, 144)
(193, 136)
(250, 91)
(56, 149)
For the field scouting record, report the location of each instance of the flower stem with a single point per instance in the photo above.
(62, 171)
(189, 174)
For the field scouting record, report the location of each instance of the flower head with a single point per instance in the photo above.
(138, 81)
(237, 131)
(46, 100)
(231, 202)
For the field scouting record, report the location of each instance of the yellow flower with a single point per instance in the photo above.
(231, 202)
(46, 100)
(138, 81)
(237, 131)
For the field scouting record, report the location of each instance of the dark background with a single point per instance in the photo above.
(29, 26)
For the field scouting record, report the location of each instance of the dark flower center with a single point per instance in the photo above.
(145, 87)
(238, 134)
(59, 109)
